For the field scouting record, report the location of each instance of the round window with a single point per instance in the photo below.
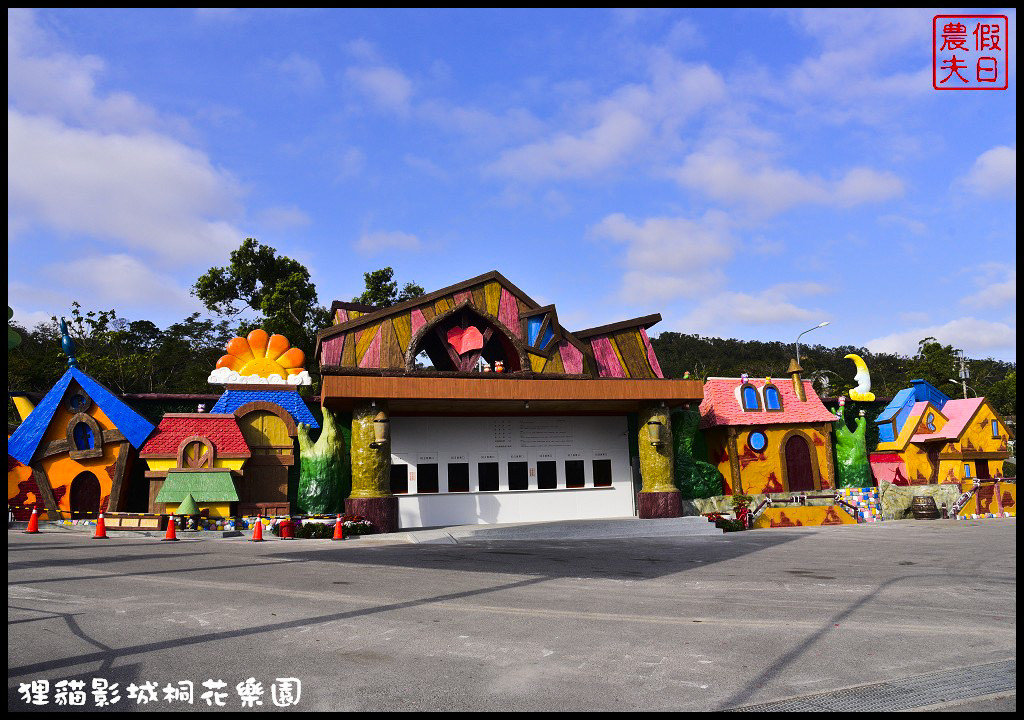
(78, 402)
(757, 441)
(931, 422)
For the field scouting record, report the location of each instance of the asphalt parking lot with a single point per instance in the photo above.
(665, 623)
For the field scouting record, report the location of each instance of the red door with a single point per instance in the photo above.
(798, 464)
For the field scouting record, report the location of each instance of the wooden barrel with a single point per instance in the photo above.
(924, 508)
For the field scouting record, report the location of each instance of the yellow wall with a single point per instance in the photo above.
(763, 472)
(801, 516)
(165, 464)
(990, 503)
(216, 509)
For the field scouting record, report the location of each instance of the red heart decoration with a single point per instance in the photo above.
(465, 339)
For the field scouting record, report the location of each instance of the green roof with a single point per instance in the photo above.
(204, 487)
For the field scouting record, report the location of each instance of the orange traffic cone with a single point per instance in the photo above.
(172, 530)
(257, 532)
(339, 529)
(101, 529)
(33, 522)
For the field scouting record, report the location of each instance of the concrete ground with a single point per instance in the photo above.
(692, 622)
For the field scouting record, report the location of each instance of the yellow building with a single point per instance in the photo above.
(768, 437)
(198, 454)
(926, 438)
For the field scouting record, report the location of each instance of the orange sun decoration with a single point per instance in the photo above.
(261, 356)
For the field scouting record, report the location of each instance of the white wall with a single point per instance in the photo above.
(442, 440)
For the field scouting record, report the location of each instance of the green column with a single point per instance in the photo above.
(371, 466)
(656, 461)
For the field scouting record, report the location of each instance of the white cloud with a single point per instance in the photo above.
(994, 173)
(669, 257)
(42, 79)
(727, 174)
(567, 155)
(972, 335)
(373, 243)
(102, 281)
(772, 306)
(998, 283)
(142, 190)
(615, 127)
(386, 87)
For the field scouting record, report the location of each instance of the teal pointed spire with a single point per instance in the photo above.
(67, 344)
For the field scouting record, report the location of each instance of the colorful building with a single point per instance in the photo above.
(927, 438)
(472, 404)
(766, 436)
(79, 442)
(197, 454)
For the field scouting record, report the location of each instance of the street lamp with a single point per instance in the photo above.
(819, 325)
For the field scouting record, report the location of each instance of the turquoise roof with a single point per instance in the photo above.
(24, 442)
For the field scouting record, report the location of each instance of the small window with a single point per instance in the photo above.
(603, 473)
(772, 399)
(751, 400)
(995, 429)
(518, 476)
(488, 473)
(426, 478)
(757, 441)
(574, 474)
(399, 479)
(84, 439)
(967, 471)
(547, 475)
(930, 422)
(458, 477)
(78, 403)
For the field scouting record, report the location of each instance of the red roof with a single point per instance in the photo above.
(174, 428)
(722, 406)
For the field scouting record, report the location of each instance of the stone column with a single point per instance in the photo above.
(659, 497)
(371, 470)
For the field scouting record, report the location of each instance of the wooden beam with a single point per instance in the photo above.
(114, 503)
(43, 483)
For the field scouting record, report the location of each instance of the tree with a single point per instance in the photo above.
(275, 287)
(382, 289)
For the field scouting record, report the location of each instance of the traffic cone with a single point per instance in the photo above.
(101, 529)
(172, 530)
(33, 522)
(339, 529)
(257, 532)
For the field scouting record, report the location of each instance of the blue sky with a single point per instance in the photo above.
(744, 173)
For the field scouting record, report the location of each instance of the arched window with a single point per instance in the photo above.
(84, 438)
(751, 398)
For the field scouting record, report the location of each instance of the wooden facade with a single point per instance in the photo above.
(526, 336)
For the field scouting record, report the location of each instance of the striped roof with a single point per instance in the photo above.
(24, 442)
(221, 430)
(288, 399)
(722, 404)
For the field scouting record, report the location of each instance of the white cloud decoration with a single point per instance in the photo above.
(226, 376)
